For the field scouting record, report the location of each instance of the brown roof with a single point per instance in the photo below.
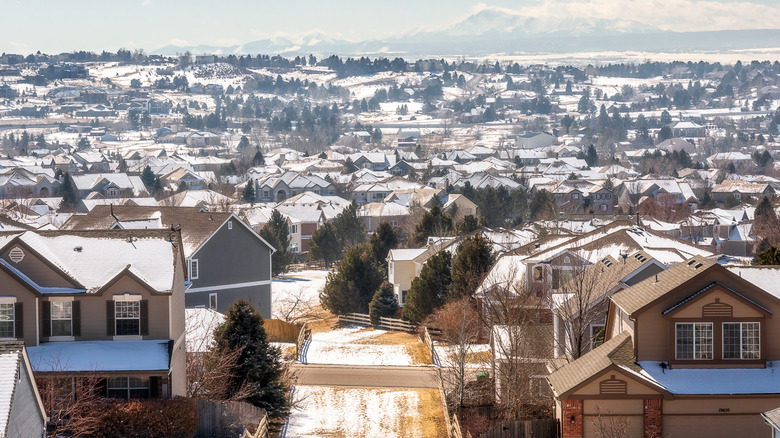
(616, 351)
(647, 291)
(196, 224)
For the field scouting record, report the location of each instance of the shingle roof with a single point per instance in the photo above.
(647, 291)
(616, 351)
(10, 356)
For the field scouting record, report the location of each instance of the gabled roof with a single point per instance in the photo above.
(13, 357)
(649, 290)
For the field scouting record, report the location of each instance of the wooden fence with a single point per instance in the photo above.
(261, 431)
(385, 323)
(281, 331)
(542, 428)
(217, 419)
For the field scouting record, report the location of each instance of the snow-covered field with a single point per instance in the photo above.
(297, 292)
(326, 411)
(362, 346)
(478, 355)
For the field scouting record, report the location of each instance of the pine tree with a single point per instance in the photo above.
(430, 289)
(259, 365)
(592, 158)
(349, 228)
(182, 187)
(147, 177)
(70, 194)
(249, 192)
(352, 286)
(468, 225)
(383, 240)
(472, 262)
(770, 256)
(433, 223)
(258, 159)
(243, 143)
(324, 245)
(349, 166)
(277, 233)
(382, 304)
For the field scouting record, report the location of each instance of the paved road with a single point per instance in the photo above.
(371, 376)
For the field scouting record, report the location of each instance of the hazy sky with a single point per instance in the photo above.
(65, 25)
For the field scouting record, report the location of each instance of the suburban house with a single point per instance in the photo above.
(22, 413)
(303, 221)
(106, 304)
(278, 187)
(109, 185)
(403, 265)
(533, 140)
(690, 351)
(740, 190)
(688, 130)
(226, 259)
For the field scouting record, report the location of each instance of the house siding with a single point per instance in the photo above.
(258, 296)
(26, 419)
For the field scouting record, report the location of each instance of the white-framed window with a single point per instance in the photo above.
(128, 387)
(597, 333)
(741, 340)
(213, 301)
(193, 268)
(61, 318)
(737, 195)
(230, 225)
(113, 192)
(265, 194)
(7, 320)
(602, 207)
(693, 340)
(293, 229)
(575, 196)
(293, 247)
(127, 318)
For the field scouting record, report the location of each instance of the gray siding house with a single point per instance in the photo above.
(21, 410)
(226, 259)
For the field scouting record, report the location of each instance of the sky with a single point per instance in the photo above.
(54, 26)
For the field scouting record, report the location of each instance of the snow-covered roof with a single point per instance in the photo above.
(713, 380)
(405, 255)
(200, 324)
(95, 356)
(9, 364)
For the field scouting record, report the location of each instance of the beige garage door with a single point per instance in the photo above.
(715, 426)
(613, 426)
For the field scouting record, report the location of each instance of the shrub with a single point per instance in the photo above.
(163, 418)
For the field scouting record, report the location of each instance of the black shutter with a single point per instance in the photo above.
(144, 317)
(76, 315)
(46, 318)
(19, 319)
(154, 387)
(110, 318)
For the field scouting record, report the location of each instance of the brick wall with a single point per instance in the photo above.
(653, 418)
(571, 408)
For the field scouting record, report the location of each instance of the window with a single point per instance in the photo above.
(693, 340)
(293, 229)
(741, 340)
(62, 318)
(575, 196)
(265, 194)
(7, 320)
(537, 273)
(128, 387)
(192, 269)
(127, 316)
(213, 301)
(230, 225)
(403, 296)
(602, 207)
(597, 332)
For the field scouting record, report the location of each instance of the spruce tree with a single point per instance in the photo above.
(258, 159)
(70, 194)
(324, 245)
(259, 365)
(383, 240)
(382, 304)
(430, 289)
(349, 166)
(147, 177)
(349, 228)
(249, 192)
(472, 262)
(433, 223)
(277, 233)
(352, 286)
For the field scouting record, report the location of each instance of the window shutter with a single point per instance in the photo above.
(154, 387)
(46, 318)
(19, 320)
(76, 315)
(110, 318)
(144, 317)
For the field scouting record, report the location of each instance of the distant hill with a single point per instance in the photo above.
(493, 30)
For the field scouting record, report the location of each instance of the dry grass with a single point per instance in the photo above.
(389, 338)
(322, 321)
(419, 353)
(479, 357)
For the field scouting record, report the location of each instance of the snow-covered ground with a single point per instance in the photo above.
(358, 346)
(326, 411)
(296, 293)
(478, 355)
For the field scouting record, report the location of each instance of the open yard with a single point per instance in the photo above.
(336, 412)
(365, 346)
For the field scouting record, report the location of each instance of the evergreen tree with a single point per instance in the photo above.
(147, 177)
(472, 262)
(468, 225)
(770, 256)
(259, 364)
(349, 166)
(352, 286)
(383, 240)
(592, 158)
(182, 187)
(277, 233)
(243, 143)
(83, 143)
(349, 228)
(249, 192)
(429, 290)
(433, 223)
(542, 205)
(763, 245)
(258, 159)
(324, 245)
(765, 223)
(382, 304)
(70, 194)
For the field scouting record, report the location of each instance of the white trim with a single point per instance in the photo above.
(228, 286)
(129, 338)
(38, 324)
(61, 299)
(193, 273)
(128, 297)
(7, 300)
(61, 338)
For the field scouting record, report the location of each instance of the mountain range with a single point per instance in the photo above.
(494, 30)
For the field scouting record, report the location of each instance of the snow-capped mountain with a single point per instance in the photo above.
(493, 30)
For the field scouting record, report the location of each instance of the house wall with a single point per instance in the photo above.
(229, 260)
(403, 272)
(12, 288)
(26, 419)
(36, 269)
